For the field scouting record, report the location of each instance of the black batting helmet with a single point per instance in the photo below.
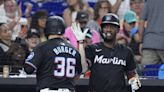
(55, 25)
(110, 18)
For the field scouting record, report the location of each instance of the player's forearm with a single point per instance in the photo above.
(83, 58)
(131, 74)
(116, 6)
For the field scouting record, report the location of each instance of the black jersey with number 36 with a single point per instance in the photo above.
(56, 62)
(109, 66)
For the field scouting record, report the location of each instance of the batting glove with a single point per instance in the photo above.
(135, 83)
(80, 36)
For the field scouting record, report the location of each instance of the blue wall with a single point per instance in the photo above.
(53, 7)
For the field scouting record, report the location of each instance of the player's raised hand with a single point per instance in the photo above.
(80, 36)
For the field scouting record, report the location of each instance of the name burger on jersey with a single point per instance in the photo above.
(114, 60)
(64, 49)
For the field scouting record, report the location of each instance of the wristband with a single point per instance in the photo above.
(80, 42)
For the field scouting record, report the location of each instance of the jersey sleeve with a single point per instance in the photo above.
(34, 58)
(131, 64)
(89, 52)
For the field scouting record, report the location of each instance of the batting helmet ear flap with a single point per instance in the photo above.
(55, 25)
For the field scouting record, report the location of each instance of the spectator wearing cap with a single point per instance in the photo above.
(130, 25)
(131, 35)
(130, 17)
(130, 30)
(135, 6)
(82, 18)
(131, 22)
(32, 39)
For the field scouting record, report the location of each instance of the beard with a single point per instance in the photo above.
(109, 40)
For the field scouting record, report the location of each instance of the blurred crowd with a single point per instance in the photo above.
(20, 34)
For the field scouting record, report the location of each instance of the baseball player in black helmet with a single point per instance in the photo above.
(56, 62)
(110, 61)
(54, 25)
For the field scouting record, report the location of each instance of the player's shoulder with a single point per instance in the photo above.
(42, 44)
(124, 48)
(95, 46)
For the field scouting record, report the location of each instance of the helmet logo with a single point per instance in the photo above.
(108, 18)
(59, 32)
